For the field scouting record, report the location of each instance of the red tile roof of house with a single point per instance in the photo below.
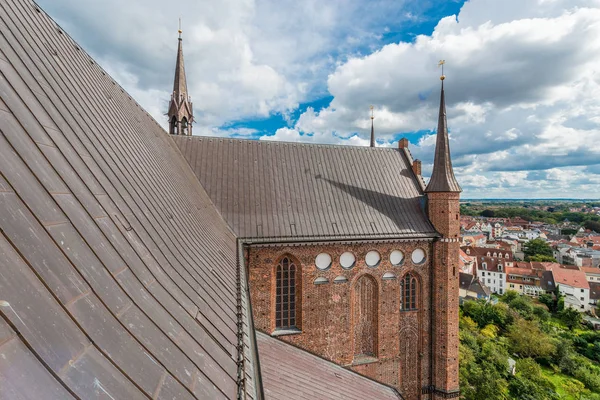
(571, 277)
(591, 270)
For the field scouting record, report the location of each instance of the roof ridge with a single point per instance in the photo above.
(282, 142)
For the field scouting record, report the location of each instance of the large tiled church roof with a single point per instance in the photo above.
(291, 191)
(118, 277)
(293, 374)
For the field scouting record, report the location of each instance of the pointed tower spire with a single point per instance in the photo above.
(442, 177)
(443, 210)
(180, 108)
(372, 129)
(180, 83)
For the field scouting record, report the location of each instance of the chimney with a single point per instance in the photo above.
(403, 143)
(416, 167)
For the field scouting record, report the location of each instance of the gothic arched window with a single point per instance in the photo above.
(285, 302)
(365, 317)
(410, 292)
(184, 126)
(174, 126)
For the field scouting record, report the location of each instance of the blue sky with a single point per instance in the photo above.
(522, 88)
(427, 14)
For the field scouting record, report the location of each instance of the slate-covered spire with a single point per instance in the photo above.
(180, 83)
(372, 129)
(180, 112)
(442, 177)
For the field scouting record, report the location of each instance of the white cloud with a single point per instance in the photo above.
(244, 58)
(522, 94)
(523, 91)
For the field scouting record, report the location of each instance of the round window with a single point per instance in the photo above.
(396, 257)
(372, 258)
(347, 260)
(418, 256)
(323, 261)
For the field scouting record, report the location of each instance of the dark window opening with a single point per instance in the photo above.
(174, 130)
(285, 304)
(409, 292)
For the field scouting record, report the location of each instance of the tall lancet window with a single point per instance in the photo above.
(285, 302)
(365, 317)
(410, 292)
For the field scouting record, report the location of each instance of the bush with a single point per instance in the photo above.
(509, 296)
(523, 306)
(541, 313)
(527, 340)
(570, 317)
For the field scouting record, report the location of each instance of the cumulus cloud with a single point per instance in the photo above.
(522, 90)
(522, 95)
(244, 58)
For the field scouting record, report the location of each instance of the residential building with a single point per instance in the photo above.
(573, 285)
(470, 288)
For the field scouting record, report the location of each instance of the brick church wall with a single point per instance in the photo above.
(444, 212)
(328, 310)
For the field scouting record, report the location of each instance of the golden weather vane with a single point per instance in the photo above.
(180, 31)
(441, 64)
(371, 112)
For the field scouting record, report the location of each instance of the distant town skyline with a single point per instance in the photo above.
(522, 88)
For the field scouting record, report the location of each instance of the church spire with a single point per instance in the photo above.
(180, 108)
(180, 83)
(442, 177)
(372, 129)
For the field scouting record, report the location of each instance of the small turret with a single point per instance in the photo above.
(181, 114)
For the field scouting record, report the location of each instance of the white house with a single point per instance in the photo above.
(572, 284)
(491, 272)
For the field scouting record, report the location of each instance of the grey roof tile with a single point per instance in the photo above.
(122, 276)
(295, 191)
(294, 374)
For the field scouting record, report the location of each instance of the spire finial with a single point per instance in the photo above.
(372, 112)
(441, 64)
(180, 31)
(442, 175)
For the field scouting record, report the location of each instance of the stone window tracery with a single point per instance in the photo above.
(285, 294)
(409, 292)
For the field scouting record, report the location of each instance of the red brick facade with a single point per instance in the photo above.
(393, 347)
(444, 213)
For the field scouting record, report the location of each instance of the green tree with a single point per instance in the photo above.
(485, 313)
(527, 339)
(549, 301)
(542, 258)
(488, 213)
(592, 225)
(523, 306)
(537, 247)
(530, 383)
(574, 388)
(483, 368)
(541, 313)
(509, 296)
(570, 317)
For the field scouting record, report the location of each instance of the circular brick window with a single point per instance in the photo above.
(372, 259)
(418, 256)
(323, 261)
(347, 260)
(396, 257)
